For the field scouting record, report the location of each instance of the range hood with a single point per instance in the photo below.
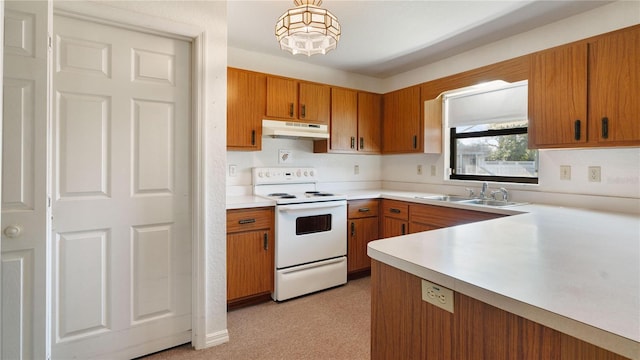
(294, 130)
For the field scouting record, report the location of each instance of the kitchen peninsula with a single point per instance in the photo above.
(547, 283)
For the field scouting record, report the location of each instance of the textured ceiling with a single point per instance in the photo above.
(385, 38)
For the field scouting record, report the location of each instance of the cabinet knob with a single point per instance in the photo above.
(253, 137)
(246, 221)
(303, 113)
(353, 142)
(265, 241)
(290, 109)
(605, 127)
(361, 143)
(415, 141)
(395, 211)
(353, 229)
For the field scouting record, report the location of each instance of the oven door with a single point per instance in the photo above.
(310, 232)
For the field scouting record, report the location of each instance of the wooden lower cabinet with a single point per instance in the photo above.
(394, 218)
(250, 255)
(362, 227)
(405, 327)
(424, 217)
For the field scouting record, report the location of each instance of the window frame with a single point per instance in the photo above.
(453, 137)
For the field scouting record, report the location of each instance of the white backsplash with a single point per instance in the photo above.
(620, 173)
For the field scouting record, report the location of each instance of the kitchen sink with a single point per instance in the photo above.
(453, 198)
(489, 202)
(468, 200)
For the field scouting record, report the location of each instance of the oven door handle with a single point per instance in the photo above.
(312, 206)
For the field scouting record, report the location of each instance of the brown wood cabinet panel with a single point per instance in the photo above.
(433, 126)
(249, 264)
(369, 122)
(394, 227)
(402, 121)
(614, 88)
(344, 119)
(314, 103)
(424, 217)
(249, 219)
(475, 331)
(558, 97)
(246, 104)
(362, 208)
(282, 98)
(396, 329)
(395, 209)
(250, 253)
(361, 231)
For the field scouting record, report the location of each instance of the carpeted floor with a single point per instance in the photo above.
(332, 324)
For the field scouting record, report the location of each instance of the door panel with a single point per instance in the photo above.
(121, 180)
(24, 179)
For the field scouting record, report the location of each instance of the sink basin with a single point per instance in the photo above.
(445, 198)
(488, 202)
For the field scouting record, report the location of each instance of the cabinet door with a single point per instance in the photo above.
(394, 227)
(614, 88)
(246, 102)
(361, 231)
(282, 98)
(369, 122)
(314, 103)
(558, 97)
(402, 121)
(249, 264)
(344, 119)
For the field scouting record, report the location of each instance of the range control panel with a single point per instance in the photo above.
(284, 175)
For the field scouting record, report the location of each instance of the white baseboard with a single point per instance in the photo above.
(217, 338)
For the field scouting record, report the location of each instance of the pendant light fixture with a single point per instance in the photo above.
(308, 29)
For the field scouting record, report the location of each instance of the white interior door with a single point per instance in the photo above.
(121, 253)
(24, 180)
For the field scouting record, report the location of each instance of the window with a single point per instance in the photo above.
(488, 136)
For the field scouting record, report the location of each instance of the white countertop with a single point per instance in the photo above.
(574, 270)
(247, 201)
(577, 271)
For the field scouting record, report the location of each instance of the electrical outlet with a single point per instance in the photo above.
(419, 169)
(437, 295)
(594, 173)
(233, 170)
(565, 172)
(433, 170)
(356, 169)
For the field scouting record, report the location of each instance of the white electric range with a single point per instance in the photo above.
(310, 231)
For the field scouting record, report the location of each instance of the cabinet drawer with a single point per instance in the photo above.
(249, 219)
(362, 208)
(395, 209)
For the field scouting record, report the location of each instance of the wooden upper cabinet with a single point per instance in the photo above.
(282, 98)
(297, 101)
(246, 103)
(369, 122)
(433, 126)
(344, 119)
(314, 104)
(402, 121)
(558, 97)
(355, 123)
(586, 93)
(614, 88)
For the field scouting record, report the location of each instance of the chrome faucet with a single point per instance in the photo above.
(483, 192)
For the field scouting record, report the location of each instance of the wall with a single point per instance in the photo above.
(335, 171)
(620, 186)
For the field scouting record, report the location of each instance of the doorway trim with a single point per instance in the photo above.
(115, 16)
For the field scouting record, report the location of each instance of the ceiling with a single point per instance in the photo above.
(385, 38)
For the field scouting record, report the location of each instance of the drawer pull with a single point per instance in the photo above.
(404, 226)
(304, 111)
(415, 141)
(361, 143)
(353, 142)
(576, 130)
(395, 211)
(265, 241)
(246, 221)
(290, 109)
(353, 229)
(363, 210)
(605, 127)
(253, 137)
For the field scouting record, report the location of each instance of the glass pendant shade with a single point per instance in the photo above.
(308, 29)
